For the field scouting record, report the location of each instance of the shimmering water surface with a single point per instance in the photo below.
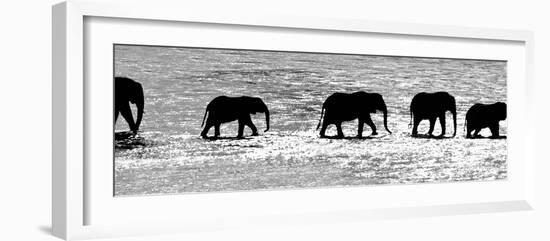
(168, 156)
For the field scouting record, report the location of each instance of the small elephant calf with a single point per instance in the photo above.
(481, 116)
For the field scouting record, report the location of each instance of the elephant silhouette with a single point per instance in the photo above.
(481, 116)
(340, 107)
(432, 106)
(129, 91)
(224, 109)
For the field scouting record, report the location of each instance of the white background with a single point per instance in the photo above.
(25, 120)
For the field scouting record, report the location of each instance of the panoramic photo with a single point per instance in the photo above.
(190, 120)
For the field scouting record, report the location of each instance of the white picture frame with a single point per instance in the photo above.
(73, 189)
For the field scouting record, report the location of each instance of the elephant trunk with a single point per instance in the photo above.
(382, 106)
(139, 116)
(386, 120)
(454, 123)
(266, 120)
(140, 106)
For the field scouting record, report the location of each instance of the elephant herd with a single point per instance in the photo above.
(337, 108)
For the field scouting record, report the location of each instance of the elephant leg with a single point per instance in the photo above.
(416, 122)
(361, 124)
(127, 114)
(443, 124)
(494, 130)
(369, 122)
(432, 125)
(217, 130)
(241, 128)
(323, 129)
(253, 128)
(207, 127)
(476, 132)
(249, 123)
(116, 114)
(339, 130)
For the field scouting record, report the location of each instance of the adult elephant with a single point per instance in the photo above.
(432, 106)
(340, 107)
(224, 109)
(129, 91)
(481, 116)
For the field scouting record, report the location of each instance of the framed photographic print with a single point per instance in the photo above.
(191, 122)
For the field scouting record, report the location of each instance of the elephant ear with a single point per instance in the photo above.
(136, 95)
(371, 108)
(374, 102)
(257, 106)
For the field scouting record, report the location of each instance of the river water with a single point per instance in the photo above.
(168, 156)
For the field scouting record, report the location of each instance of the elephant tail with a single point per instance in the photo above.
(203, 118)
(410, 122)
(465, 123)
(322, 111)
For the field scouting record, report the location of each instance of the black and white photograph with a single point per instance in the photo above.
(195, 120)
(275, 120)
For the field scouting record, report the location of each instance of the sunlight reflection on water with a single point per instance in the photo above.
(178, 83)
